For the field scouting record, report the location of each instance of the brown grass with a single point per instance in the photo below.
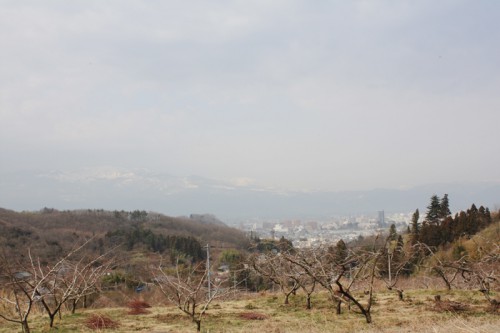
(252, 316)
(266, 313)
(449, 306)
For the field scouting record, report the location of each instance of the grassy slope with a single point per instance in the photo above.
(416, 314)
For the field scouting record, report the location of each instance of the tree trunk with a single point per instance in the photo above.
(350, 298)
(51, 316)
(26, 328)
(73, 306)
(198, 325)
(286, 299)
(308, 305)
(339, 307)
(443, 276)
(368, 317)
(400, 294)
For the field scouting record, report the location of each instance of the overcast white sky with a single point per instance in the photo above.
(303, 95)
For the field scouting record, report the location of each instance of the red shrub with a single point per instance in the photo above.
(97, 322)
(137, 307)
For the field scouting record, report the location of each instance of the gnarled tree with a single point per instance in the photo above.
(274, 267)
(50, 285)
(338, 276)
(190, 288)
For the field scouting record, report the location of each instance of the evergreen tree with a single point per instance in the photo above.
(482, 218)
(400, 244)
(393, 234)
(444, 209)
(487, 215)
(337, 254)
(433, 211)
(415, 228)
(472, 220)
(341, 251)
(399, 250)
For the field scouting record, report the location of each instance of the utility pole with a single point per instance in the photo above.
(234, 283)
(389, 259)
(208, 271)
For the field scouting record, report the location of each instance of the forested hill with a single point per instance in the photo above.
(52, 231)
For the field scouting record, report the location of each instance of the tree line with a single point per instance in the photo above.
(440, 228)
(158, 243)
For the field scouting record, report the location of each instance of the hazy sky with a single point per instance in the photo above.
(325, 95)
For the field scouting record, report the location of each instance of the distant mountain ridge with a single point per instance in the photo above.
(123, 189)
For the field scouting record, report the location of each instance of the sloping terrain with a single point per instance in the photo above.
(50, 232)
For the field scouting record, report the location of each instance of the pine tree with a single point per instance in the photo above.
(400, 244)
(415, 228)
(487, 215)
(433, 211)
(399, 250)
(444, 209)
(393, 234)
(341, 251)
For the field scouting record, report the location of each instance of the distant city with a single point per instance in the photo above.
(307, 233)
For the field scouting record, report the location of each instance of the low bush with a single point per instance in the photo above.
(137, 307)
(97, 322)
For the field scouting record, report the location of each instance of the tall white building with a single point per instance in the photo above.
(381, 217)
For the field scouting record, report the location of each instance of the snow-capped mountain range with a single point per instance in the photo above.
(118, 188)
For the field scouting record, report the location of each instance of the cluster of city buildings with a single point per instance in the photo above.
(315, 232)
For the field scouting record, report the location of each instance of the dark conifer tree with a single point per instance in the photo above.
(481, 218)
(399, 250)
(433, 211)
(341, 251)
(393, 234)
(415, 227)
(444, 209)
(473, 220)
(487, 215)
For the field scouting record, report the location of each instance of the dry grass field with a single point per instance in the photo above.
(265, 313)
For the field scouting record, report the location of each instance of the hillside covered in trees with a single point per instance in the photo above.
(440, 227)
(50, 232)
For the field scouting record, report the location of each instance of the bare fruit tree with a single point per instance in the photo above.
(50, 285)
(20, 291)
(449, 270)
(186, 287)
(70, 281)
(337, 274)
(276, 268)
(394, 262)
(475, 270)
(303, 280)
(484, 270)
